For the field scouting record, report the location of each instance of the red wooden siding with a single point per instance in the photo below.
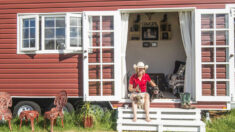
(46, 74)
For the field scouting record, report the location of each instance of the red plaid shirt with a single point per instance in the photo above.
(134, 80)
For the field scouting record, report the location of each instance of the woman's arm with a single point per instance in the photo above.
(131, 89)
(152, 83)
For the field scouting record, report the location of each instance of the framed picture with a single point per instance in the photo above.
(149, 33)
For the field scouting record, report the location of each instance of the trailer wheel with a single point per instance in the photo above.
(25, 105)
(68, 108)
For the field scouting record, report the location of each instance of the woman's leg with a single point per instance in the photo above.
(146, 106)
(134, 107)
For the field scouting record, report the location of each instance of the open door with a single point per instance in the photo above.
(214, 55)
(101, 56)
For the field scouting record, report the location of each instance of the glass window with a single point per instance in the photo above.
(75, 31)
(54, 33)
(28, 33)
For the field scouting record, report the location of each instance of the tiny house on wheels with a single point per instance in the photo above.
(88, 48)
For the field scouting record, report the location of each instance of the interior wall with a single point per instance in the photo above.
(160, 59)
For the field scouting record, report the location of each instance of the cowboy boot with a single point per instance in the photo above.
(183, 101)
(188, 101)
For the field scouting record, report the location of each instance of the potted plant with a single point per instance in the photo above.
(86, 115)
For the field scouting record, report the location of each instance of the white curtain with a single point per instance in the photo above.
(186, 27)
(124, 36)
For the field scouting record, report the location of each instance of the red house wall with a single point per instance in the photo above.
(46, 74)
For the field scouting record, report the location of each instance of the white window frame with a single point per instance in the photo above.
(199, 62)
(20, 33)
(73, 50)
(68, 31)
(43, 32)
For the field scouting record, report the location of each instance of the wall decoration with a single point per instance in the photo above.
(146, 44)
(165, 29)
(149, 33)
(134, 32)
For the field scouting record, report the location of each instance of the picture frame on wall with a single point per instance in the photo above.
(149, 33)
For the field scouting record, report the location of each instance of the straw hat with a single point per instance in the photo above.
(140, 64)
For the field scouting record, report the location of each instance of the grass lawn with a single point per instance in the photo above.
(222, 123)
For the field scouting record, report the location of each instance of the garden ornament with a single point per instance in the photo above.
(29, 115)
(60, 101)
(5, 102)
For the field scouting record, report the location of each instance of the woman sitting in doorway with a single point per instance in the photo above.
(137, 86)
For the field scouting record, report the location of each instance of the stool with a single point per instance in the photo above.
(29, 115)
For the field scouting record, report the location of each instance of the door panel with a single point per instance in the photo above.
(213, 51)
(101, 61)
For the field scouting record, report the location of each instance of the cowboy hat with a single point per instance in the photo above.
(140, 65)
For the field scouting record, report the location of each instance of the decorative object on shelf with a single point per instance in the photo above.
(165, 29)
(135, 29)
(149, 31)
(146, 44)
(149, 15)
(154, 44)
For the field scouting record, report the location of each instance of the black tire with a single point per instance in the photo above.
(69, 107)
(21, 104)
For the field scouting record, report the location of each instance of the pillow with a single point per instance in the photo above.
(177, 65)
(181, 70)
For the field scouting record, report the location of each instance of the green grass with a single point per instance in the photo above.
(225, 123)
(72, 123)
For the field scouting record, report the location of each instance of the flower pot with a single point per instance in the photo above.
(88, 122)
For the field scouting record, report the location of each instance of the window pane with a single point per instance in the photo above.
(207, 55)
(73, 32)
(60, 44)
(222, 55)
(49, 33)
(207, 21)
(73, 42)
(32, 43)
(107, 39)
(222, 38)
(208, 89)
(73, 21)
(49, 44)
(207, 38)
(49, 22)
(26, 33)
(221, 21)
(32, 22)
(26, 43)
(95, 39)
(26, 23)
(108, 88)
(107, 23)
(60, 22)
(222, 87)
(95, 23)
(60, 33)
(32, 33)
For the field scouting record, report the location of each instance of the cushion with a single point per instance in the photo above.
(177, 65)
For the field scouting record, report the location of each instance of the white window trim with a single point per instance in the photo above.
(43, 31)
(199, 62)
(20, 33)
(68, 31)
(42, 51)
